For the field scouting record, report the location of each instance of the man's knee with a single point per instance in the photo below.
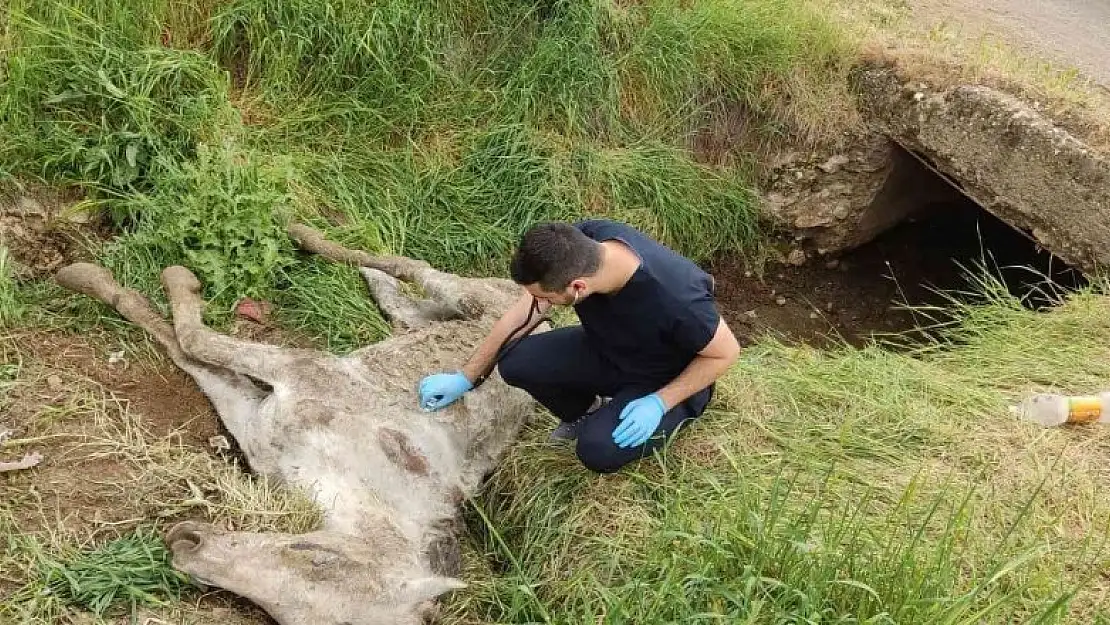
(597, 451)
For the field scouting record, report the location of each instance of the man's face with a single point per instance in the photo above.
(569, 296)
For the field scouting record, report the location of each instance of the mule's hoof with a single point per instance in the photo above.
(85, 278)
(178, 277)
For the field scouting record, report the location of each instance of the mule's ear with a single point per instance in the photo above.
(421, 589)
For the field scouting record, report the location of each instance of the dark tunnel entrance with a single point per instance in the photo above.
(941, 248)
(953, 247)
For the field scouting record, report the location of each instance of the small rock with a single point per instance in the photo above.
(780, 300)
(814, 220)
(80, 217)
(841, 211)
(832, 264)
(116, 357)
(777, 199)
(219, 443)
(918, 96)
(829, 307)
(797, 258)
(29, 207)
(747, 274)
(321, 559)
(751, 313)
(784, 159)
(813, 315)
(834, 164)
(54, 383)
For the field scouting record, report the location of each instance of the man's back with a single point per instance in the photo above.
(655, 325)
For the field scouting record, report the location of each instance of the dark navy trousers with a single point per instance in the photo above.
(563, 372)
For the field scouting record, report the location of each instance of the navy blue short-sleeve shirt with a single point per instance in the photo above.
(656, 323)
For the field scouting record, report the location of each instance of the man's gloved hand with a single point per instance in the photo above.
(442, 389)
(639, 419)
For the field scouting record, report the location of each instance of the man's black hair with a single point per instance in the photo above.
(554, 254)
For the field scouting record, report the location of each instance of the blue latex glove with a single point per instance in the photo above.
(442, 389)
(639, 419)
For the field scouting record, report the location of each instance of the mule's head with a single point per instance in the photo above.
(323, 577)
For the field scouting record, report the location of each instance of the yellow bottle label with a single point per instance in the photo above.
(1084, 409)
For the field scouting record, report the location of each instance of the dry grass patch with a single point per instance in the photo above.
(106, 489)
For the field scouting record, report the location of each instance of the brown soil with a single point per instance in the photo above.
(38, 232)
(810, 304)
(162, 394)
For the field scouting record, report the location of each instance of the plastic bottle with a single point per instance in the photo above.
(1052, 409)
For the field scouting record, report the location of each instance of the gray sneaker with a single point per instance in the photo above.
(568, 431)
(565, 432)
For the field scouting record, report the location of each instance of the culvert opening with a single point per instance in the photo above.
(939, 250)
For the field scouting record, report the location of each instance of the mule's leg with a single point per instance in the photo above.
(98, 283)
(407, 312)
(234, 397)
(450, 297)
(268, 363)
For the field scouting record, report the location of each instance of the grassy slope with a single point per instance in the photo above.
(854, 486)
(857, 486)
(428, 128)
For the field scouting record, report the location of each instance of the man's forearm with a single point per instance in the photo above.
(482, 360)
(700, 373)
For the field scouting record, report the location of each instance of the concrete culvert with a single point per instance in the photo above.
(927, 244)
(944, 240)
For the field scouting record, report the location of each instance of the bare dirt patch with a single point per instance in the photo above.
(125, 441)
(38, 227)
(165, 398)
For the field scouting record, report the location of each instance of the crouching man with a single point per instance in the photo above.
(645, 359)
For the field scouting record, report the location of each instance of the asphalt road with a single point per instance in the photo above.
(1069, 32)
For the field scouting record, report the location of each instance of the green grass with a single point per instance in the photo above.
(329, 303)
(436, 129)
(221, 218)
(116, 577)
(843, 486)
(11, 305)
(89, 99)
